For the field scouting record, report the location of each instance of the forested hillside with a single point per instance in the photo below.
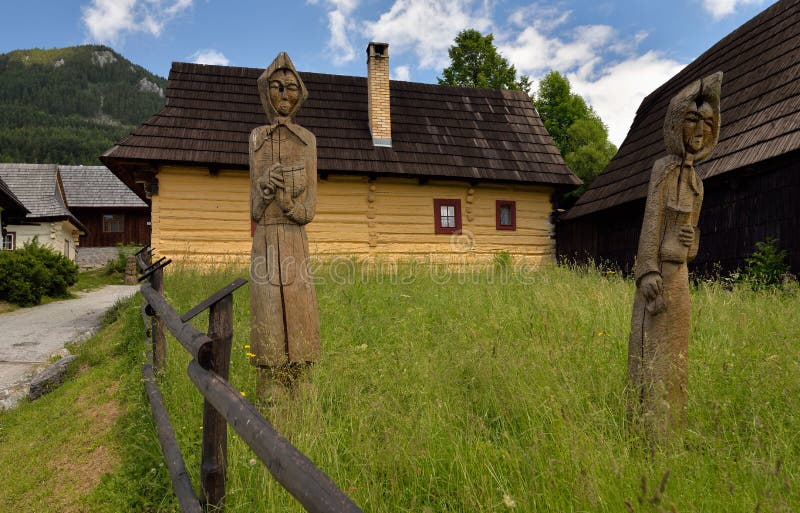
(69, 105)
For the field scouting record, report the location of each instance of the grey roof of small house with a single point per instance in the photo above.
(37, 188)
(8, 200)
(97, 186)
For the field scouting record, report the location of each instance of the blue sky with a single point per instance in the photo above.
(614, 52)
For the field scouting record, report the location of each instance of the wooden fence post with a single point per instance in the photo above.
(157, 328)
(215, 427)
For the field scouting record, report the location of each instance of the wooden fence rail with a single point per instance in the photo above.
(181, 484)
(223, 405)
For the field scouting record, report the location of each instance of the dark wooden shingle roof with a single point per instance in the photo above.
(760, 109)
(437, 131)
(96, 186)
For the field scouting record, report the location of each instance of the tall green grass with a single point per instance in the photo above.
(477, 393)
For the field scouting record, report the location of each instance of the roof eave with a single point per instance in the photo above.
(114, 163)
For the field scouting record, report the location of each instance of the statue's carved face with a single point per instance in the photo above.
(697, 127)
(284, 91)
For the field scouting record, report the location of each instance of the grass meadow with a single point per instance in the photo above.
(446, 392)
(487, 392)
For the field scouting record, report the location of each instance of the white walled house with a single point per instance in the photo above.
(39, 189)
(10, 207)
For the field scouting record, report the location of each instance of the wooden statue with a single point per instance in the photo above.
(659, 339)
(284, 322)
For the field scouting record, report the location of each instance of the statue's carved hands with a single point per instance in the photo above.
(686, 236)
(271, 181)
(651, 285)
(284, 199)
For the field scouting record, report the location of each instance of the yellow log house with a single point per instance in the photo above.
(406, 170)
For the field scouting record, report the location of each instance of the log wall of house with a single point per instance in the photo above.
(205, 218)
(136, 229)
(739, 209)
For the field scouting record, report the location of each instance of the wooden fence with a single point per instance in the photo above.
(223, 405)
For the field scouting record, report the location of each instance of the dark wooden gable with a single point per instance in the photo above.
(760, 109)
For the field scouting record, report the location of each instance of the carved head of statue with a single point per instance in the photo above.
(281, 89)
(691, 127)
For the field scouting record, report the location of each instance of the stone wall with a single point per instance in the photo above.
(94, 258)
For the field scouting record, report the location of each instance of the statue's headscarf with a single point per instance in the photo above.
(706, 90)
(282, 61)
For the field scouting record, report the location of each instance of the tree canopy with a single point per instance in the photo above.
(475, 62)
(575, 127)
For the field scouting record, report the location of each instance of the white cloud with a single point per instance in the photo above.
(428, 27)
(339, 43)
(539, 47)
(108, 21)
(608, 69)
(603, 67)
(209, 56)
(539, 16)
(619, 89)
(341, 26)
(721, 8)
(401, 73)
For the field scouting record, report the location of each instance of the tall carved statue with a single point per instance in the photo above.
(284, 322)
(659, 339)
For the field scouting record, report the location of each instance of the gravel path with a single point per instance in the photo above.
(30, 336)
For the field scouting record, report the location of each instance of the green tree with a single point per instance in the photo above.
(575, 127)
(589, 150)
(475, 62)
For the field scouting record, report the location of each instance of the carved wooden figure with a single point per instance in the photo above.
(659, 339)
(284, 322)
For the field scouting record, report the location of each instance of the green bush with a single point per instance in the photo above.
(23, 278)
(117, 265)
(767, 267)
(35, 271)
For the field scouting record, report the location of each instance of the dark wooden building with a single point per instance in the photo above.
(112, 213)
(752, 180)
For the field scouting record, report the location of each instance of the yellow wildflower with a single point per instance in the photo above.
(246, 346)
(250, 355)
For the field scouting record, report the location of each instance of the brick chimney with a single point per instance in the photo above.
(380, 119)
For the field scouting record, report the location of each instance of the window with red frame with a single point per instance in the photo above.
(506, 212)
(447, 215)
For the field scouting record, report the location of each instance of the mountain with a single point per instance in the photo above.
(69, 105)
